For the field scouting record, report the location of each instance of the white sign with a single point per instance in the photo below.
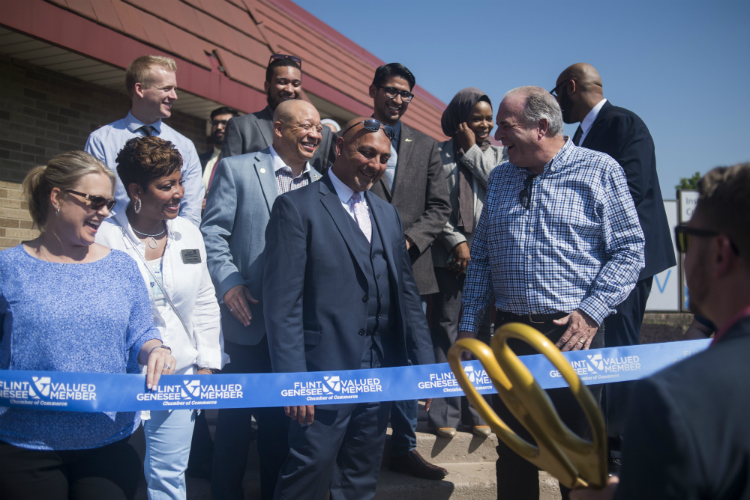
(665, 291)
(688, 201)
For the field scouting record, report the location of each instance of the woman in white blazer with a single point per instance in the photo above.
(171, 256)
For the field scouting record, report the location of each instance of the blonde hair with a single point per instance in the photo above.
(64, 171)
(139, 70)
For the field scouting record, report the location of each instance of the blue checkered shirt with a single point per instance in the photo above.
(578, 246)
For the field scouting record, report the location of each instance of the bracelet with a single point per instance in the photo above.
(160, 346)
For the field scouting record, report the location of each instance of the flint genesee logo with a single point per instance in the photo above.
(191, 392)
(333, 387)
(596, 367)
(447, 381)
(44, 391)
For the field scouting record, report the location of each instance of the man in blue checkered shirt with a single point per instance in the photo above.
(558, 246)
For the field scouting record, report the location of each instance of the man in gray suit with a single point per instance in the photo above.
(238, 208)
(254, 132)
(414, 183)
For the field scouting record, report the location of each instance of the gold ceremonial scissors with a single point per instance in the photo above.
(576, 463)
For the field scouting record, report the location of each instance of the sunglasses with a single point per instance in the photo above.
(392, 92)
(374, 125)
(554, 91)
(524, 197)
(95, 202)
(276, 57)
(682, 236)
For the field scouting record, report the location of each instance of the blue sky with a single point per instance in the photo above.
(682, 66)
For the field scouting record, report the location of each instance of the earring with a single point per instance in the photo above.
(137, 207)
(57, 211)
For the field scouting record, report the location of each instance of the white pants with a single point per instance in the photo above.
(168, 438)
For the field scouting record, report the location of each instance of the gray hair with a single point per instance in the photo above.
(540, 104)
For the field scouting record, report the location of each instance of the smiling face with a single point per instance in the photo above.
(161, 199)
(520, 139)
(362, 158)
(285, 84)
(298, 136)
(76, 222)
(480, 121)
(385, 109)
(154, 102)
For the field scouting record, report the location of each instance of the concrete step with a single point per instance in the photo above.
(464, 447)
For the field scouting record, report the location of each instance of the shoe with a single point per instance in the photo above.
(413, 464)
(481, 430)
(447, 432)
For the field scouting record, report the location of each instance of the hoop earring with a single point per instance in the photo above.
(137, 207)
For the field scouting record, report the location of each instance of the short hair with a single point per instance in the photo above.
(224, 110)
(145, 159)
(64, 171)
(540, 104)
(139, 70)
(386, 71)
(278, 63)
(724, 200)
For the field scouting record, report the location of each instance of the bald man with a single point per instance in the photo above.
(340, 295)
(238, 208)
(622, 135)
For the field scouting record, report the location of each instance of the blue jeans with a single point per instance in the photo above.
(168, 438)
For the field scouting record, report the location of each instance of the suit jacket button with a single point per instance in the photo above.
(361, 332)
(365, 298)
(381, 297)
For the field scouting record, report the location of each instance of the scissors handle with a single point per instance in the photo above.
(572, 460)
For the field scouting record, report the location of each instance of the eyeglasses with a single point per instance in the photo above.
(392, 92)
(682, 237)
(276, 57)
(95, 202)
(216, 123)
(524, 197)
(554, 91)
(374, 125)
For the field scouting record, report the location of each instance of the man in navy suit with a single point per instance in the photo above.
(687, 434)
(622, 135)
(340, 295)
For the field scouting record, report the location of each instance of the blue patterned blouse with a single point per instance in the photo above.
(71, 318)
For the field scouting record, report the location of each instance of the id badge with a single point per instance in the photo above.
(191, 256)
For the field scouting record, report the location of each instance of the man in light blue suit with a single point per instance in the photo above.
(238, 209)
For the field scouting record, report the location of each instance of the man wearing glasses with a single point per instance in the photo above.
(415, 184)
(558, 246)
(687, 434)
(622, 135)
(209, 159)
(254, 132)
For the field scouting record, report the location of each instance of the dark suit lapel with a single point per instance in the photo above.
(380, 219)
(267, 178)
(263, 129)
(597, 125)
(403, 172)
(332, 204)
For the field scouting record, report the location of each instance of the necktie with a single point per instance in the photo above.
(147, 130)
(390, 169)
(577, 136)
(361, 215)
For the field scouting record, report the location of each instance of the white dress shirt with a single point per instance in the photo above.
(589, 120)
(210, 165)
(345, 195)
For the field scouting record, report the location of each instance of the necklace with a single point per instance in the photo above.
(152, 236)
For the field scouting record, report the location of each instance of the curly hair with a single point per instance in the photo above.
(144, 159)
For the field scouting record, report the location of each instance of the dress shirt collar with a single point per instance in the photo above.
(342, 190)
(278, 163)
(217, 152)
(134, 123)
(558, 162)
(590, 118)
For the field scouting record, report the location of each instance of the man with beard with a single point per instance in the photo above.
(687, 433)
(238, 208)
(209, 159)
(254, 132)
(622, 135)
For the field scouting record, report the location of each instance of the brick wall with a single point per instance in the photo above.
(43, 113)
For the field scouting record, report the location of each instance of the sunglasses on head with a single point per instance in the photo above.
(95, 202)
(276, 57)
(373, 125)
(682, 236)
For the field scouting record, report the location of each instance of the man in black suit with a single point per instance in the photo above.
(415, 184)
(687, 434)
(254, 132)
(219, 119)
(340, 295)
(622, 135)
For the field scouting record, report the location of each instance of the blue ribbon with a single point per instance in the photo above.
(100, 392)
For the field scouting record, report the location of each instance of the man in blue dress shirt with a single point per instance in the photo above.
(558, 245)
(151, 82)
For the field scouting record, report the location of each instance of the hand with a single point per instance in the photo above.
(157, 364)
(466, 137)
(237, 299)
(304, 415)
(427, 404)
(459, 258)
(580, 332)
(408, 244)
(588, 494)
(466, 355)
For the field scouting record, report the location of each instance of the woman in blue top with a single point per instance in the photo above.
(68, 304)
